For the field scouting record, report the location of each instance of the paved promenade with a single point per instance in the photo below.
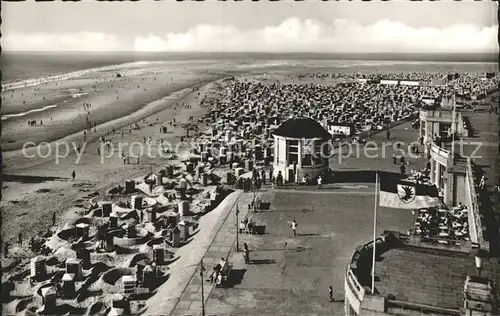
(332, 222)
(190, 301)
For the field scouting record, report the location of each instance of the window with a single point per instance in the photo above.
(293, 149)
(442, 172)
(307, 160)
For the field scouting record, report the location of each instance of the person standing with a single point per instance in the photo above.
(330, 293)
(294, 228)
(73, 175)
(6, 250)
(247, 253)
(402, 168)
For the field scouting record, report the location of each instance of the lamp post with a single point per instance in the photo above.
(237, 229)
(202, 270)
(478, 258)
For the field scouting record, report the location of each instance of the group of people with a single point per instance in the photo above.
(34, 122)
(443, 224)
(252, 109)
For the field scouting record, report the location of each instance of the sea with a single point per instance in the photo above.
(26, 66)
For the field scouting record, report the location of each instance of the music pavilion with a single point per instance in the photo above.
(298, 149)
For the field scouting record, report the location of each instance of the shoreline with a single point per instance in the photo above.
(24, 83)
(118, 101)
(149, 109)
(38, 174)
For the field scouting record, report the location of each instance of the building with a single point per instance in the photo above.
(441, 122)
(420, 275)
(413, 278)
(301, 149)
(335, 128)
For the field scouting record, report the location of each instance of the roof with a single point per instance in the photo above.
(48, 291)
(68, 277)
(428, 276)
(301, 128)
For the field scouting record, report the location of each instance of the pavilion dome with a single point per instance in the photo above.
(302, 128)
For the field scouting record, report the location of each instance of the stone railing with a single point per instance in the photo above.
(439, 154)
(475, 225)
(405, 308)
(439, 115)
(355, 292)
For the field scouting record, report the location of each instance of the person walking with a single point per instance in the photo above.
(73, 175)
(294, 228)
(320, 183)
(482, 182)
(53, 219)
(247, 253)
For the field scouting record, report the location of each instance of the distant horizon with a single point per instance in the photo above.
(382, 56)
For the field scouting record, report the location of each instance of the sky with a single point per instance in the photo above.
(285, 26)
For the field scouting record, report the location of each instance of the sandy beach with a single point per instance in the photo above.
(25, 208)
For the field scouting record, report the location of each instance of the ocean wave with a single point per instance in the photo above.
(70, 75)
(265, 64)
(8, 116)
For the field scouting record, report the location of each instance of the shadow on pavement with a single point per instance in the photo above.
(262, 261)
(235, 277)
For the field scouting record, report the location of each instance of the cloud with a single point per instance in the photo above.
(84, 41)
(308, 35)
(291, 35)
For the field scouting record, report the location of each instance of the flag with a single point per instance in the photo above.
(395, 193)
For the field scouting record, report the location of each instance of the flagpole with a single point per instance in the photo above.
(374, 231)
(453, 129)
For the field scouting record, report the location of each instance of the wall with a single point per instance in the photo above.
(281, 150)
(392, 82)
(282, 164)
(409, 83)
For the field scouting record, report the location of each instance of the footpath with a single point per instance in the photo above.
(190, 302)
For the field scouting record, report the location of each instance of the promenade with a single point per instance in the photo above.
(294, 280)
(221, 246)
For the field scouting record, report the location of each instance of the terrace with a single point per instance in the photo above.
(438, 289)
